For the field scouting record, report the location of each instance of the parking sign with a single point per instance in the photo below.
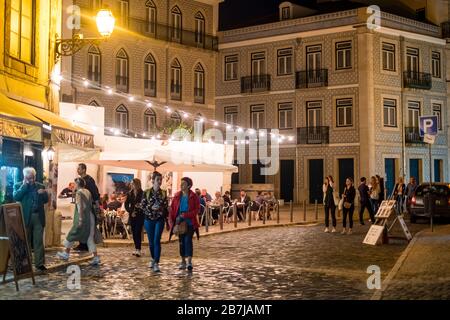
(428, 125)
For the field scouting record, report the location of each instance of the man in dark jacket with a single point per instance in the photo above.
(364, 201)
(92, 187)
(33, 196)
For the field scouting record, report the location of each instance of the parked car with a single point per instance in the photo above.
(442, 201)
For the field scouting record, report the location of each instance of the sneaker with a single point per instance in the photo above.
(343, 231)
(95, 261)
(333, 230)
(190, 267)
(349, 231)
(63, 255)
(137, 253)
(182, 266)
(326, 230)
(156, 268)
(151, 264)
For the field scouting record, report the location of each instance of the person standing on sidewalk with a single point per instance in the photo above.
(155, 206)
(410, 189)
(183, 210)
(349, 205)
(136, 220)
(329, 205)
(32, 196)
(364, 201)
(399, 194)
(84, 228)
(92, 187)
(374, 194)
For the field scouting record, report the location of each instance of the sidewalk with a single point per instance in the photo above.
(423, 270)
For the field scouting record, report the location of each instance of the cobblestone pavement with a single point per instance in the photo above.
(294, 262)
(425, 273)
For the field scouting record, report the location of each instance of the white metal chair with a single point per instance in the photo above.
(226, 212)
(259, 210)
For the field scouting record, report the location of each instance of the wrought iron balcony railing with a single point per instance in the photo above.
(150, 88)
(256, 83)
(175, 91)
(311, 78)
(199, 95)
(122, 83)
(313, 135)
(445, 28)
(412, 135)
(417, 80)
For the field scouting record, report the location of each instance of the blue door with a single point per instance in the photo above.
(437, 170)
(414, 169)
(389, 169)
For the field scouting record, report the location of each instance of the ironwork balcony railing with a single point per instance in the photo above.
(417, 80)
(122, 83)
(412, 135)
(311, 78)
(94, 77)
(445, 28)
(257, 83)
(175, 91)
(150, 88)
(313, 135)
(199, 95)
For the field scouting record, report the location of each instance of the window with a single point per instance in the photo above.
(150, 76)
(389, 113)
(199, 84)
(344, 112)
(343, 55)
(122, 71)
(95, 5)
(285, 115)
(176, 118)
(313, 58)
(413, 114)
(124, 12)
(122, 117)
(285, 13)
(314, 114)
(412, 61)
(149, 120)
(231, 114)
(21, 42)
(436, 64)
(94, 103)
(437, 111)
(199, 29)
(284, 61)
(257, 116)
(176, 24)
(151, 16)
(258, 64)
(388, 56)
(94, 65)
(175, 80)
(231, 67)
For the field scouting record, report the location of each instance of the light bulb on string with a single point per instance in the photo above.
(86, 83)
(131, 98)
(216, 123)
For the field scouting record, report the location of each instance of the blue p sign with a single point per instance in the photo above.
(428, 125)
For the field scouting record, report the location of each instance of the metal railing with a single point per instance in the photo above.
(122, 83)
(445, 29)
(412, 135)
(313, 135)
(150, 88)
(199, 95)
(255, 83)
(311, 78)
(417, 80)
(175, 91)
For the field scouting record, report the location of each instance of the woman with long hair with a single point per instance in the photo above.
(349, 205)
(374, 194)
(136, 216)
(329, 205)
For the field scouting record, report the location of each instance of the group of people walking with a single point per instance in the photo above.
(370, 197)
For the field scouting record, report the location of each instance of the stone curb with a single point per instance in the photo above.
(379, 293)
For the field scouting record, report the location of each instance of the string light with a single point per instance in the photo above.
(110, 91)
(131, 98)
(216, 123)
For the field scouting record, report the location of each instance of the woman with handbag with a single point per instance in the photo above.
(349, 205)
(183, 220)
(329, 205)
(84, 228)
(136, 216)
(155, 207)
(374, 194)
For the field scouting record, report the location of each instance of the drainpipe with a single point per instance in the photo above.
(403, 171)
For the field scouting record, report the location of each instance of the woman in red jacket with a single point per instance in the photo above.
(185, 207)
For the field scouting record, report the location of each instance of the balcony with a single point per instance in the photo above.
(445, 29)
(311, 78)
(150, 88)
(412, 136)
(313, 135)
(122, 83)
(417, 80)
(175, 91)
(252, 84)
(199, 95)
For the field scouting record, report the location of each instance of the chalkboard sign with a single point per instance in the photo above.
(19, 250)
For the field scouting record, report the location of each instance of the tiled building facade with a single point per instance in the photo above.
(353, 108)
(163, 52)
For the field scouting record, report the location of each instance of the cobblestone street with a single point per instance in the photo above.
(275, 263)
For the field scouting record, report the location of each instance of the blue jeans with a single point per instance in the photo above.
(154, 229)
(375, 205)
(186, 245)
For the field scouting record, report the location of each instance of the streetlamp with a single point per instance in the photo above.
(105, 25)
(50, 153)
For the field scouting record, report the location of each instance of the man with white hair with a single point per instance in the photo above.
(33, 196)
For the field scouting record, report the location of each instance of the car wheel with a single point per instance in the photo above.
(412, 219)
